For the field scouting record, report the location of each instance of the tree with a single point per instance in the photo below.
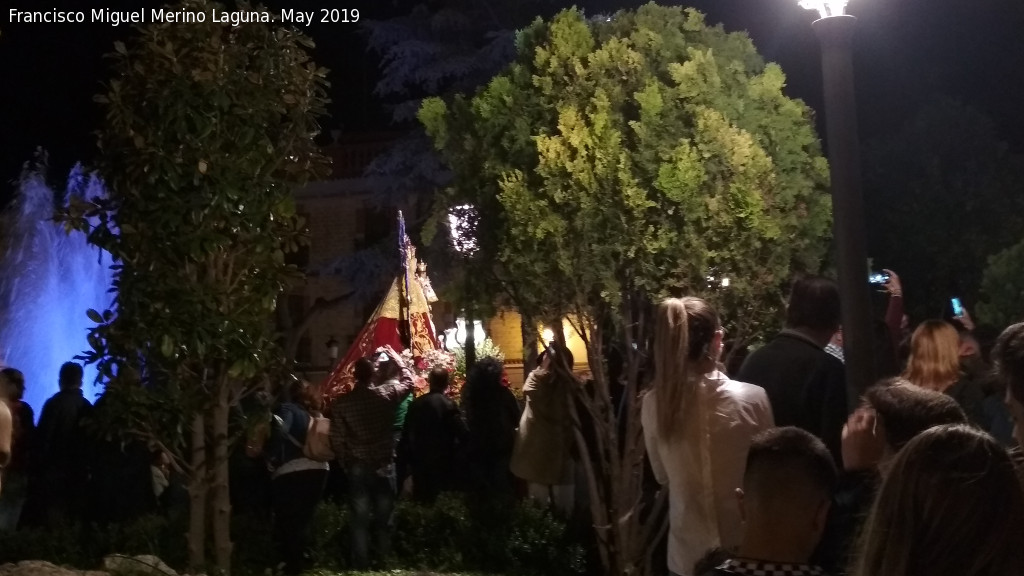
(208, 129)
(621, 160)
(943, 194)
(1002, 288)
(454, 47)
(439, 49)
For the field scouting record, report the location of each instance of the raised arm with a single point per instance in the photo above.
(396, 392)
(895, 308)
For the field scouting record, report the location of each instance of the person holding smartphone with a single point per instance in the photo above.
(362, 435)
(544, 439)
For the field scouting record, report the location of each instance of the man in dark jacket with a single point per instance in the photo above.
(433, 428)
(805, 384)
(59, 472)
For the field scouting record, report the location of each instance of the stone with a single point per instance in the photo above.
(40, 568)
(137, 565)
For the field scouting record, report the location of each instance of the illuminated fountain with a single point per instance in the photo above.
(48, 279)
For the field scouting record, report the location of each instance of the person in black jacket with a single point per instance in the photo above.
(433, 428)
(59, 471)
(492, 414)
(894, 412)
(805, 384)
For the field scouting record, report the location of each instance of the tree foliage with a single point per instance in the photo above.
(643, 153)
(620, 160)
(208, 129)
(437, 49)
(1002, 288)
(943, 194)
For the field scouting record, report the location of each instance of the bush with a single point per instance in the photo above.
(85, 546)
(456, 534)
(462, 534)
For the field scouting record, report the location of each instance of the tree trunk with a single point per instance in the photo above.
(221, 496)
(197, 489)
(612, 455)
(529, 331)
(470, 345)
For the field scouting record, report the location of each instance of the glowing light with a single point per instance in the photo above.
(725, 282)
(826, 8)
(458, 334)
(462, 225)
(547, 335)
(48, 279)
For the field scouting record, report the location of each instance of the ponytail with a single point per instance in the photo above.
(683, 331)
(671, 344)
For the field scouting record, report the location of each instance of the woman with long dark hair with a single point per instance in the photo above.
(950, 505)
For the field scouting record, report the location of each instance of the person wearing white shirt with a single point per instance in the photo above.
(698, 425)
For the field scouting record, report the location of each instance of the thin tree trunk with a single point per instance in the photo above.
(470, 345)
(528, 328)
(221, 496)
(197, 489)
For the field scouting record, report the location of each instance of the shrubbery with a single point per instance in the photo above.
(84, 546)
(453, 535)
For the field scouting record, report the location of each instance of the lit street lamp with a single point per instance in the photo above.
(835, 31)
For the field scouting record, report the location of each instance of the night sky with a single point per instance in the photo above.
(907, 52)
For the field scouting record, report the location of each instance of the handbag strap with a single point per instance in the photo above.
(287, 434)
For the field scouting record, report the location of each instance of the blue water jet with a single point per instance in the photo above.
(48, 280)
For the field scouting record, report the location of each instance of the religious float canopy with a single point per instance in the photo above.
(402, 320)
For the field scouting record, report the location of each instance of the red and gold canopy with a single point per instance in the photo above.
(406, 307)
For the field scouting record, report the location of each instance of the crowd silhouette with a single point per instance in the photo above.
(771, 468)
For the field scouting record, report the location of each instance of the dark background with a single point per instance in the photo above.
(907, 52)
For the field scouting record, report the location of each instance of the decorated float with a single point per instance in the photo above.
(403, 321)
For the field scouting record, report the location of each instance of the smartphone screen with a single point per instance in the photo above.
(958, 307)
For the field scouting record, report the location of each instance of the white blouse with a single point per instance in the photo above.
(703, 466)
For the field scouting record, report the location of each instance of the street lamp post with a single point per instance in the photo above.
(835, 31)
(461, 221)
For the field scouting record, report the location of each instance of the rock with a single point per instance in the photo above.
(136, 565)
(40, 568)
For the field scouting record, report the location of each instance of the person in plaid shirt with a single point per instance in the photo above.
(362, 436)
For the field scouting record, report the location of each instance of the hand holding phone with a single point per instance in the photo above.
(958, 307)
(878, 278)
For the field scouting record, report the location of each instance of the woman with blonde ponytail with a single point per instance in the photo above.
(697, 426)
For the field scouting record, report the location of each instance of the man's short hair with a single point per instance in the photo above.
(438, 379)
(813, 303)
(907, 410)
(70, 375)
(1008, 355)
(790, 458)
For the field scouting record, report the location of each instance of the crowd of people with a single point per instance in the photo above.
(59, 471)
(771, 468)
(778, 472)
